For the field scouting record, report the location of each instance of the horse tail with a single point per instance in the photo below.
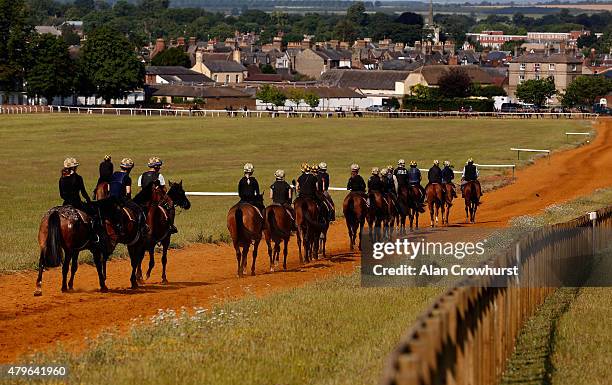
(238, 216)
(274, 227)
(350, 210)
(307, 216)
(53, 253)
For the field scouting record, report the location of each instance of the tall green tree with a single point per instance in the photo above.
(536, 91)
(585, 90)
(456, 83)
(110, 64)
(311, 99)
(51, 72)
(14, 34)
(174, 56)
(296, 95)
(356, 13)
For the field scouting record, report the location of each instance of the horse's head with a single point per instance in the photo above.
(178, 196)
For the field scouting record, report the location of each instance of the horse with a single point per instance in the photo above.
(471, 196)
(403, 207)
(160, 215)
(378, 215)
(435, 201)
(394, 214)
(245, 223)
(355, 209)
(277, 229)
(309, 229)
(63, 233)
(102, 191)
(449, 194)
(414, 205)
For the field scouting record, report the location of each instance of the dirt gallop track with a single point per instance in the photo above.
(202, 275)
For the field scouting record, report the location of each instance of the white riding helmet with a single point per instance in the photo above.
(280, 174)
(384, 171)
(127, 163)
(248, 168)
(70, 162)
(436, 162)
(470, 160)
(401, 162)
(447, 163)
(154, 161)
(375, 171)
(354, 167)
(323, 166)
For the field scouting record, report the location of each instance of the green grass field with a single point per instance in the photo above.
(208, 155)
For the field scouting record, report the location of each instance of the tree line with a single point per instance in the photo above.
(107, 64)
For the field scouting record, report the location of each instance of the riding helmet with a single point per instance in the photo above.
(155, 162)
(280, 174)
(384, 171)
(436, 162)
(323, 166)
(470, 160)
(375, 171)
(70, 162)
(248, 168)
(413, 163)
(354, 167)
(127, 163)
(107, 157)
(401, 163)
(447, 163)
(304, 167)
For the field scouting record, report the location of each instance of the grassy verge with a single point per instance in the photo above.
(208, 154)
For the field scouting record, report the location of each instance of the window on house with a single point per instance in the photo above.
(537, 77)
(227, 78)
(522, 68)
(536, 66)
(574, 67)
(551, 67)
(237, 78)
(521, 78)
(215, 77)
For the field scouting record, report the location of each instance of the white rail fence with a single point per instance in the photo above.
(519, 150)
(25, 109)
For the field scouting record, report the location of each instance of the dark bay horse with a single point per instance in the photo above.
(309, 230)
(414, 205)
(471, 196)
(64, 232)
(378, 216)
(245, 223)
(160, 211)
(277, 229)
(102, 191)
(403, 207)
(355, 210)
(449, 194)
(394, 214)
(434, 194)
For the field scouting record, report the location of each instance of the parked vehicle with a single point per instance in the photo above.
(511, 107)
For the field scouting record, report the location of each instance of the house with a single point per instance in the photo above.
(213, 97)
(254, 74)
(313, 63)
(330, 98)
(429, 76)
(221, 71)
(376, 85)
(174, 75)
(496, 59)
(43, 29)
(563, 68)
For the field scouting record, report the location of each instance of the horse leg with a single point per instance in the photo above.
(135, 260)
(238, 258)
(361, 224)
(164, 258)
(298, 235)
(431, 213)
(73, 269)
(245, 255)
(255, 247)
(285, 252)
(151, 263)
(349, 227)
(98, 257)
(467, 213)
(65, 267)
(270, 253)
(38, 289)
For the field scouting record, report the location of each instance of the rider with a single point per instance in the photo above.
(248, 188)
(375, 184)
(323, 184)
(448, 175)
(401, 173)
(414, 179)
(356, 182)
(391, 183)
(307, 186)
(71, 185)
(106, 170)
(152, 174)
(71, 188)
(121, 182)
(281, 193)
(434, 175)
(470, 174)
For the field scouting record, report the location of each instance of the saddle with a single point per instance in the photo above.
(72, 214)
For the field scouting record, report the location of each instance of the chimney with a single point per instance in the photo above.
(180, 41)
(306, 43)
(562, 48)
(236, 55)
(277, 43)
(192, 41)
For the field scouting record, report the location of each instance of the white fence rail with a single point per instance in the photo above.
(132, 111)
(519, 150)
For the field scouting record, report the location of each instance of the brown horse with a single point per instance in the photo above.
(403, 207)
(414, 205)
(449, 194)
(160, 211)
(277, 229)
(64, 232)
(355, 209)
(471, 197)
(245, 223)
(102, 191)
(309, 230)
(435, 201)
(378, 216)
(394, 215)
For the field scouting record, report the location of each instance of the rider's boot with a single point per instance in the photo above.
(173, 229)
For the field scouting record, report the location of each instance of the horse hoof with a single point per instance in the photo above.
(64, 289)
(37, 292)
(164, 281)
(252, 273)
(104, 289)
